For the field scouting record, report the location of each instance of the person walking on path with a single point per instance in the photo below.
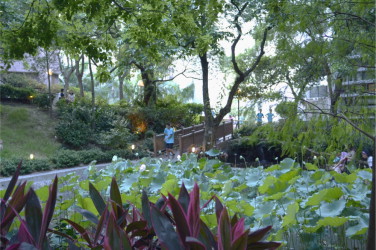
(259, 117)
(169, 139)
(270, 116)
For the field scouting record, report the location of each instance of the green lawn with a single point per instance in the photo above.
(25, 130)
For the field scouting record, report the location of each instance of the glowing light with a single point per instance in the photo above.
(50, 72)
(31, 156)
(133, 147)
(193, 149)
(31, 97)
(140, 83)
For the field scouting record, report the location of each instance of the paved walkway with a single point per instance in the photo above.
(41, 179)
(45, 178)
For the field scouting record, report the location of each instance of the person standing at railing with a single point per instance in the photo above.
(169, 139)
(259, 117)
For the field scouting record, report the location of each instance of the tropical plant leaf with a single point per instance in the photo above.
(194, 243)
(115, 193)
(181, 222)
(33, 215)
(146, 208)
(258, 234)
(48, 212)
(224, 231)
(98, 201)
(87, 214)
(81, 230)
(193, 215)
(164, 230)
(184, 198)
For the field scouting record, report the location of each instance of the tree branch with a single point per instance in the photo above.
(341, 116)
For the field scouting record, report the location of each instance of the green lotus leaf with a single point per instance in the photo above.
(344, 178)
(365, 174)
(331, 209)
(311, 166)
(213, 152)
(253, 179)
(263, 209)
(324, 195)
(273, 168)
(287, 164)
(360, 228)
(289, 219)
(289, 175)
(276, 196)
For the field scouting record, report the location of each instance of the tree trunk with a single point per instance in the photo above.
(121, 84)
(209, 135)
(92, 85)
(149, 88)
(80, 74)
(67, 73)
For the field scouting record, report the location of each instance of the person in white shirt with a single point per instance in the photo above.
(366, 156)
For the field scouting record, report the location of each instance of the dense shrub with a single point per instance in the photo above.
(66, 158)
(8, 166)
(81, 125)
(21, 81)
(8, 92)
(42, 100)
(74, 133)
(117, 137)
(69, 158)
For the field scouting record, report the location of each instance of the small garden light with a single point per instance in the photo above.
(31, 156)
(193, 149)
(133, 147)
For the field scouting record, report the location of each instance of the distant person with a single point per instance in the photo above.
(270, 116)
(61, 94)
(345, 157)
(259, 117)
(71, 96)
(169, 139)
(367, 158)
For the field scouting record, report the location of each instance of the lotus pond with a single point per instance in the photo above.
(309, 208)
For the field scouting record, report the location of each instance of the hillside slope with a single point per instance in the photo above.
(25, 130)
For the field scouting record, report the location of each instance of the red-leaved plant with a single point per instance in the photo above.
(32, 233)
(179, 227)
(192, 233)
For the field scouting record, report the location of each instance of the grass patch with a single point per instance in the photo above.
(26, 130)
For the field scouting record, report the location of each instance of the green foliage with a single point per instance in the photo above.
(21, 81)
(284, 195)
(174, 112)
(81, 124)
(8, 92)
(42, 100)
(117, 137)
(8, 166)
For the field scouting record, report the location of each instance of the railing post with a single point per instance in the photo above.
(180, 145)
(155, 144)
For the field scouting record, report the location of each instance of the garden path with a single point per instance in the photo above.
(41, 179)
(45, 178)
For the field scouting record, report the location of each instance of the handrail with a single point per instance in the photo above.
(193, 135)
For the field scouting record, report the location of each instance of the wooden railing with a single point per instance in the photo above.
(194, 135)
